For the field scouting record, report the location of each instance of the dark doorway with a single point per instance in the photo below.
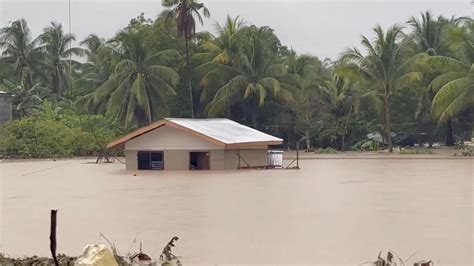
(199, 161)
(150, 160)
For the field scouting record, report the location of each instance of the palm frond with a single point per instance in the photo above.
(453, 98)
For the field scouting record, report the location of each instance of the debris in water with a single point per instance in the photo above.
(167, 256)
(97, 254)
(140, 257)
(390, 261)
(423, 263)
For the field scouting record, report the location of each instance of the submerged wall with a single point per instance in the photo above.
(219, 159)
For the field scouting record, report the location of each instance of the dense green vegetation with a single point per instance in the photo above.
(415, 78)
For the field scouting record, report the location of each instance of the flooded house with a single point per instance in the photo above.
(195, 144)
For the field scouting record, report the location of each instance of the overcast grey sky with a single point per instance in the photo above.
(322, 28)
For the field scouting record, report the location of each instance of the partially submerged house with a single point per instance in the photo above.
(201, 144)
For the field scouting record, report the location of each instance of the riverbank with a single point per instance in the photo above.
(440, 152)
(35, 260)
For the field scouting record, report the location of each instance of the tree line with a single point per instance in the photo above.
(414, 78)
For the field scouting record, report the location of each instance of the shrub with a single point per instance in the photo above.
(460, 145)
(467, 152)
(37, 137)
(416, 151)
(366, 145)
(29, 138)
(325, 151)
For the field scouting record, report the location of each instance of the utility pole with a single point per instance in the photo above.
(472, 9)
(70, 46)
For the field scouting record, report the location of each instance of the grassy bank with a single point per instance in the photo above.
(35, 260)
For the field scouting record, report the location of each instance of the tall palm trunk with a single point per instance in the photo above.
(307, 138)
(55, 83)
(188, 69)
(254, 119)
(449, 133)
(345, 128)
(252, 107)
(387, 126)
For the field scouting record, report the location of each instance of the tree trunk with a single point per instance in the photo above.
(55, 84)
(431, 135)
(345, 128)
(387, 126)
(307, 136)
(449, 133)
(188, 69)
(141, 118)
(254, 119)
(467, 133)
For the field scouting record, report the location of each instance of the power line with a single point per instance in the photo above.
(318, 125)
(70, 45)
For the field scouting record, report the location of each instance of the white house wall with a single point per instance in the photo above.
(131, 162)
(168, 138)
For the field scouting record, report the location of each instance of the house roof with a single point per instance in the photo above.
(220, 131)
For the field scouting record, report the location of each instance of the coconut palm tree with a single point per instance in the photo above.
(102, 59)
(21, 51)
(427, 33)
(184, 12)
(430, 37)
(251, 78)
(140, 84)
(58, 52)
(454, 90)
(303, 80)
(344, 97)
(382, 65)
(341, 96)
(455, 87)
(222, 49)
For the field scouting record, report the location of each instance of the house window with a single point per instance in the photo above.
(150, 160)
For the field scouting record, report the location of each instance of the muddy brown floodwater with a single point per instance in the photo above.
(333, 211)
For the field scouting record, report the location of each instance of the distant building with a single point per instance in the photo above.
(5, 107)
(195, 144)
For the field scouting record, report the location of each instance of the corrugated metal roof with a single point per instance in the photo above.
(224, 130)
(221, 131)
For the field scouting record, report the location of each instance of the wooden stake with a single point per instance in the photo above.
(52, 237)
(238, 155)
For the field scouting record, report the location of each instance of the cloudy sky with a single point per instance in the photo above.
(322, 28)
